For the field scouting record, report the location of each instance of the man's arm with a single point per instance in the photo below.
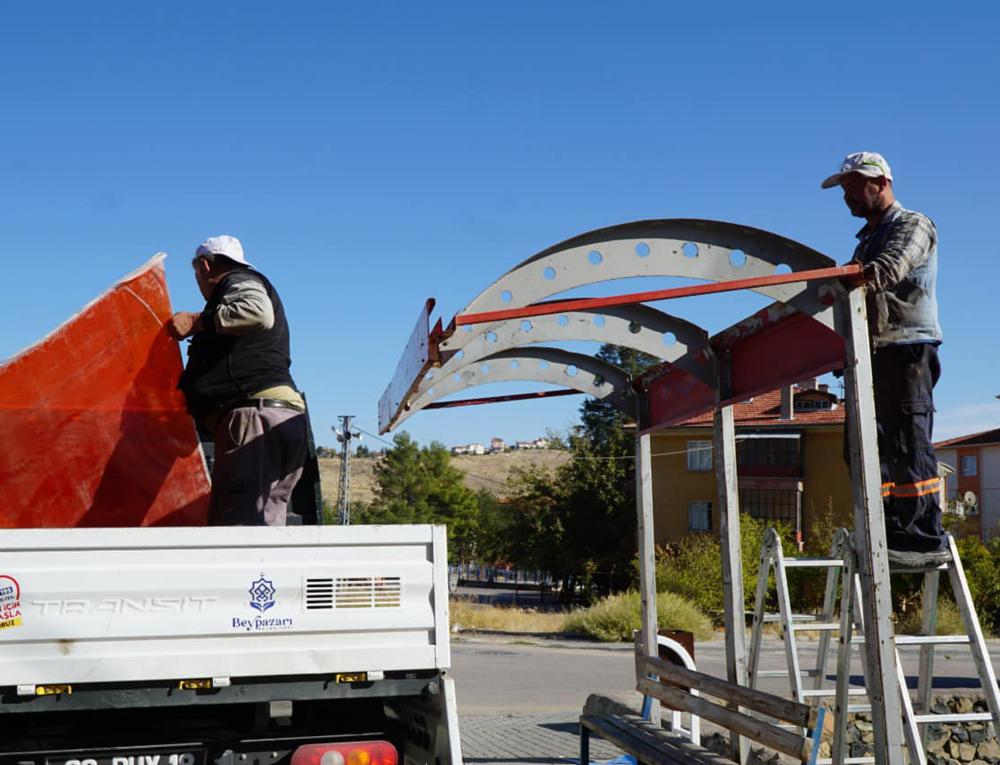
(244, 308)
(907, 247)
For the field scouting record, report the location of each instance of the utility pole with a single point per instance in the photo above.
(344, 435)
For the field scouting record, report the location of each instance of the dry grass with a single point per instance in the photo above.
(490, 471)
(473, 616)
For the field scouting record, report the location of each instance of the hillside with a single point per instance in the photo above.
(490, 471)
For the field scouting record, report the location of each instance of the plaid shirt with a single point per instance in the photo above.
(900, 256)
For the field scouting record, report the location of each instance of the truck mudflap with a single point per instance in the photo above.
(431, 725)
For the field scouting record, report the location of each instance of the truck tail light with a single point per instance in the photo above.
(346, 753)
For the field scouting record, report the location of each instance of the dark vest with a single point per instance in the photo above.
(224, 368)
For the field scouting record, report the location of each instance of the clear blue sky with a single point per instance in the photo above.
(370, 155)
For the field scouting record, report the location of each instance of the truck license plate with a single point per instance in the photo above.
(138, 756)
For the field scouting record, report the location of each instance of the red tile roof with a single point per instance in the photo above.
(765, 410)
(973, 439)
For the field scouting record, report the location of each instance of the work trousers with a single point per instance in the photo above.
(259, 456)
(904, 378)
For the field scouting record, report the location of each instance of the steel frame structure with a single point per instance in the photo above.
(817, 324)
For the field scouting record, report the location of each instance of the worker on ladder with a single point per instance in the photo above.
(897, 249)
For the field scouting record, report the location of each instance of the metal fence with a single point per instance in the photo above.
(477, 573)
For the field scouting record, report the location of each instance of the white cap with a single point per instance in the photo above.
(864, 162)
(227, 246)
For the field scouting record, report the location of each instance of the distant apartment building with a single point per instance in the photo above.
(497, 445)
(976, 461)
(468, 449)
(790, 464)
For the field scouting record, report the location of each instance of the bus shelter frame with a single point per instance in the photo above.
(818, 323)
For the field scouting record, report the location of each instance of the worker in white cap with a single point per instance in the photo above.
(897, 248)
(238, 387)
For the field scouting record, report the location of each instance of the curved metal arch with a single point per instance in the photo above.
(690, 248)
(592, 376)
(639, 327)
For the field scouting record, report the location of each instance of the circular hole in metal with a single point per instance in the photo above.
(491, 337)
(459, 354)
(485, 369)
(456, 377)
(599, 321)
(634, 327)
(571, 370)
(782, 268)
(466, 327)
(690, 250)
(430, 374)
(737, 258)
(642, 250)
(563, 320)
(514, 364)
(430, 392)
(543, 364)
(549, 273)
(669, 338)
(526, 325)
(599, 381)
(505, 296)
(595, 258)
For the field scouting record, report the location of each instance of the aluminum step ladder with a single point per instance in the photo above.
(842, 565)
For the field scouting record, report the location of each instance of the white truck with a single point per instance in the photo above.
(308, 645)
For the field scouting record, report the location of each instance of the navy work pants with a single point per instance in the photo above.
(904, 377)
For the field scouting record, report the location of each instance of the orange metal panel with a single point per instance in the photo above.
(95, 432)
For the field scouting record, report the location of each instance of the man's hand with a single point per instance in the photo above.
(184, 324)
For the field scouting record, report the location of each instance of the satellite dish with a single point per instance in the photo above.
(969, 499)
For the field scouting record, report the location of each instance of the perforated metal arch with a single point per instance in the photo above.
(578, 371)
(696, 249)
(638, 327)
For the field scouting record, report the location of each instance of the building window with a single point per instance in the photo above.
(699, 455)
(700, 516)
(969, 466)
(768, 452)
(780, 505)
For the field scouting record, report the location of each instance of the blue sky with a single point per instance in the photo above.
(370, 155)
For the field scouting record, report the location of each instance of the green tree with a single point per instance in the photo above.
(580, 523)
(419, 485)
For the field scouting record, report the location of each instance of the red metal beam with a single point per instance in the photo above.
(850, 272)
(500, 399)
(793, 348)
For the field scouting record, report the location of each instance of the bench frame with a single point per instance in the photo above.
(672, 685)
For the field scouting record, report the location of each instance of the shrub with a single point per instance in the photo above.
(949, 620)
(616, 617)
(693, 567)
(982, 570)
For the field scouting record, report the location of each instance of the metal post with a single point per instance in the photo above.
(869, 538)
(344, 489)
(647, 554)
(732, 560)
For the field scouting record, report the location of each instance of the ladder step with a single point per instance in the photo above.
(784, 673)
(855, 708)
(932, 639)
(817, 626)
(917, 569)
(813, 562)
(830, 692)
(847, 760)
(953, 718)
(796, 618)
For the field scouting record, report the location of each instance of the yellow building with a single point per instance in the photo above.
(789, 446)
